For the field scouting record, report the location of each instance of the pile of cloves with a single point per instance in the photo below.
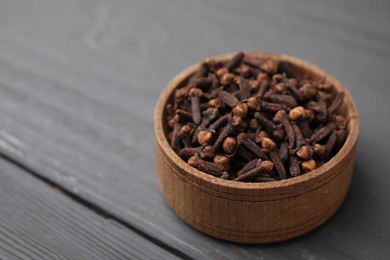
(255, 120)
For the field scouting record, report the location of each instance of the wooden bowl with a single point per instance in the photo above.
(255, 212)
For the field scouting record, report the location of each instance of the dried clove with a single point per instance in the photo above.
(218, 123)
(279, 134)
(308, 91)
(265, 122)
(235, 61)
(252, 103)
(336, 103)
(205, 166)
(283, 151)
(304, 152)
(207, 152)
(223, 161)
(205, 137)
(295, 170)
(187, 152)
(323, 132)
(225, 176)
(244, 153)
(281, 117)
(270, 147)
(305, 128)
(297, 113)
(309, 165)
(263, 167)
(319, 150)
(261, 135)
(185, 135)
(269, 66)
(299, 139)
(182, 116)
(208, 116)
(199, 73)
(227, 131)
(232, 117)
(228, 98)
(175, 137)
(331, 143)
(271, 107)
(244, 88)
(264, 85)
(195, 93)
(240, 110)
(292, 86)
(287, 100)
(227, 79)
(229, 145)
(251, 146)
(249, 166)
(253, 124)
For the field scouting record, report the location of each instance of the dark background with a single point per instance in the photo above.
(78, 85)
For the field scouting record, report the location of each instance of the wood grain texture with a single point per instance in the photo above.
(255, 212)
(79, 81)
(38, 222)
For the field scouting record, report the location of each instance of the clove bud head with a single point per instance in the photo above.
(267, 166)
(268, 144)
(261, 77)
(297, 113)
(227, 79)
(205, 137)
(210, 62)
(305, 152)
(280, 115)
(229, 145)
(280, 88)
(221, 72)
(269, 66)
(252, 103)
(308, 90)
(319, 150)
(279, 134)
(309, 165)
(254, 85)
(215, 102)
(236, 120)
(223, 161)
(310, 115)
(262, 134)
(185, 130)
(240, 110)
(208, 152)
(196, 92)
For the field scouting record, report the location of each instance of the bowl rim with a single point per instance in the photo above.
(353, 128)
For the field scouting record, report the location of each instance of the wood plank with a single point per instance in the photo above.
(77, 100)
(38, 221)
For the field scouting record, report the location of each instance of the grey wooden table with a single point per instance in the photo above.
(78, 85)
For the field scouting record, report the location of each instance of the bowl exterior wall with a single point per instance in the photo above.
(246, 219)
